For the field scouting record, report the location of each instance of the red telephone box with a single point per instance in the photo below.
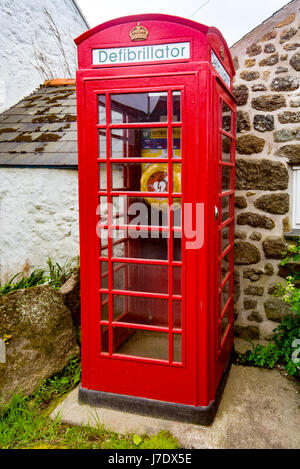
(156, 131)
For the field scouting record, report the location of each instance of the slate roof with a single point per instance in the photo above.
(41, 130)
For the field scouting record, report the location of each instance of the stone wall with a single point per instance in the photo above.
(267, 90)
(37, 44)
(38, 218)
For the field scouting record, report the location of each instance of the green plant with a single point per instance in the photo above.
(37, 277)
(58, 274)
(289, 290)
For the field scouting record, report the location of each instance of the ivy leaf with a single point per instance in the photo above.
(136, 439)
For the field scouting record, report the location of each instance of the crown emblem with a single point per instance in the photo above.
(139, 33)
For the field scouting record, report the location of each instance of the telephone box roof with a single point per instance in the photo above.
(205, 30)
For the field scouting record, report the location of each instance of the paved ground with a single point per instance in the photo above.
(259, 409)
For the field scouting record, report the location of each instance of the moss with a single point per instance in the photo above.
(69, 118)
(49, 118)
(29, 105)
(22, 138)
(32, 98)
(48, 137)
(7, 130)
(39, 149)
(42, 111)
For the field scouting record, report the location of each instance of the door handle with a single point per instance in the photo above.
(216, 213)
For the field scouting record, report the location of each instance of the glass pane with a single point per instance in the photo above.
(102, 143)
(102, 109)
(177, 246)
(139, 310)
(177, 142)
(226, 208)
(177, 178)
(139, 248)
(225, 178)
(139, 143)
(224, 238)
(225, 294)
(177, 280)
(141, 278)
(177, 314)
(104, 275)
(177, 346)
(104, 307)
(102, 177)
(226, 148)
(139, 107)
(224, 322)
(139, 211)
(226, 118)
(148, 344)
(225, 267)
(104, 339)
(149, 177)
(176, 98)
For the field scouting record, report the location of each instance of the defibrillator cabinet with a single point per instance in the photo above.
(156, 138)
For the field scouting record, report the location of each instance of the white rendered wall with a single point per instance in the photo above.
(38, 218)
(30, 53)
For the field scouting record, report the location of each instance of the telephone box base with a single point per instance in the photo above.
(154, 408)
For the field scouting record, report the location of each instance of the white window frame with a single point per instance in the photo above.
(296, 198)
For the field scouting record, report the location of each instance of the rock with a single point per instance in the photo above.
(276, 309)
(269, 48)
(241, 93)
(254, 49)
(240, 201)
(266, 75)
(292, 152)
(269, 103)
(293, 46)
(273, 288)
(274, 247)
(269, 61)
(286, 226)
(237, 286)
(249, 76)
(259, 87)
(250, 303)
(249, 144)
(289, 117)
(254, 290)
(287, 34)
(281, 70)
(255, 316)
(255, 220)
(255, 236)
(243, 122)
(263, 123)
(246, 253)
(289, 19)
(269, 36)
(236, 63)
(287, 83)
(295, 61)
(71, 292)
(240, 234)
(269, 269)
(250, 62)
(260, 174)
(43, 338)
(273, 203)
(284, 135)
(295, 102)
(246, 332)
(253, 275)
(284, 57)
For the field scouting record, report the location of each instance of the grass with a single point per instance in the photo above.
(26, 423)
(56, 276)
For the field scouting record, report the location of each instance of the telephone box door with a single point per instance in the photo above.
(141, 165)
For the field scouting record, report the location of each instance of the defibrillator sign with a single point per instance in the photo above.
(137, 54)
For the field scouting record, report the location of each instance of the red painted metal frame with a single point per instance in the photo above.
(194, 381)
